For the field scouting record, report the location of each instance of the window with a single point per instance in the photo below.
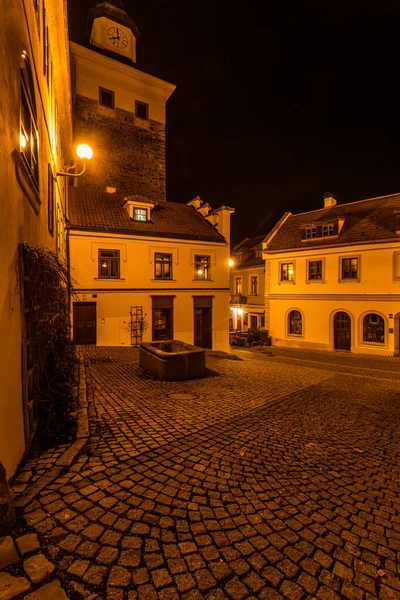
(321, 231)
(295, 323)
(50, 199)
(286, 272)
(349, 268)
(254, 285)
(46, 48)
(315, 270)
(106, 98)
(253, 322)
(140, 214)
(162, 309)
(201, 267)
(109, 264)
(373, 329)
(141, 110)
(163, 266)
(28, 123)
(238, 285)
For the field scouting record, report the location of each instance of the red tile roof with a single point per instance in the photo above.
(365, 221)
(92, 209)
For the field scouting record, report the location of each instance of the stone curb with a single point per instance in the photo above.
(71, 453)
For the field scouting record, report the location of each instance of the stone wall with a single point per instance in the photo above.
(128, 153)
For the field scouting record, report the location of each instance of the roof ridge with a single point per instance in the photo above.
(347, 204)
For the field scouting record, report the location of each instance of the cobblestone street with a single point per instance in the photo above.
(272, 477)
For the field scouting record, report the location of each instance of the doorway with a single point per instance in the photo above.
(202, 321)
(163, 318)
(84, 323)
(342, 331)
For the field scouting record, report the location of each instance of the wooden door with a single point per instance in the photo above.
(342, 331)
(203, 327)
(84, 322)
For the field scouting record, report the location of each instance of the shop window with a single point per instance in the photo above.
(373, 329)
(295, 323)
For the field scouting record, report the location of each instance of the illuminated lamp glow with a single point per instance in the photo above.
(199, 271)
(230, 262)
(84, 151)
(22, 140)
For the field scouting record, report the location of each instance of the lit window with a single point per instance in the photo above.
(315, 270)
(141, 110)
(109, 264)
(106, 98)
(287, 272)
(295, 323)
(28, 136)
(374, 329)
(238, 285)
(202, 267)
(254, 285)
(140, 214)
(350, 268)
(163, 266)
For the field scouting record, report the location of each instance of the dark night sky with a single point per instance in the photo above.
(276, 103)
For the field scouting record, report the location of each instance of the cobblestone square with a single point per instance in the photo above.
(272, 477)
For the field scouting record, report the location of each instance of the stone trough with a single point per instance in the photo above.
(172, 360)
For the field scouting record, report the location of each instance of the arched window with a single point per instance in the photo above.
(295, 323)
(374, 329)
(28, 133)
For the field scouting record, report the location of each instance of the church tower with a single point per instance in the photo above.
(119, 110)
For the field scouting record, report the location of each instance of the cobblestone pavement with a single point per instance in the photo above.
(265, 479)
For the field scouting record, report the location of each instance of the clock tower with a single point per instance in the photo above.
(112, 29)
(119, 110)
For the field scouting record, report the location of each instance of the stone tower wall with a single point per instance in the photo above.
(128, 154)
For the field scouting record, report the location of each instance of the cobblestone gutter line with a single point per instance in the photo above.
(70, 454)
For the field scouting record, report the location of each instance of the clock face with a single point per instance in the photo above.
(117, 37)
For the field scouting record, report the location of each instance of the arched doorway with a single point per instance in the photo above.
(342, 331)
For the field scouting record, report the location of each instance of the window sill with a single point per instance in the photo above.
(295, 335)
(285, 282)
(203, 280)
(315, 281)
(350, 280)
(109, 279)
(167, 280)
(374, 344)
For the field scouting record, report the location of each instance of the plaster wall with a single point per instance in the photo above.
(137, 284)
(376, 291)
(23, 210)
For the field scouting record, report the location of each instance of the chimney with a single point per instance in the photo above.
(110, 190)
(330, 199)
(221, 219)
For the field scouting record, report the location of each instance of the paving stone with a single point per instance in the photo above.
(119, 576)
(78, 567)
(8, 552)
(38, 567)
(11, 586)
(27, 543)
(50, 591)
(95, 575)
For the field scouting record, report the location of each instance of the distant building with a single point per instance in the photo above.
(333, 277)
(36, 137)
(146, 269)
(247, 285)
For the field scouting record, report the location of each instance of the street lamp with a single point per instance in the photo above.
(85, 153)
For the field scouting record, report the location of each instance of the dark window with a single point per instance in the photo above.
(374, 329)
(141, 110)
(106, 98)
(287, 272)
(109, 264)
(311, 232)
(262, 321)
(46, 48)
(253, 322)
(318, 231)
(162, 309)
(50, 199)
(140, 214)
(28, 123)
(238, 285)
(349, 268)
(315, 270)
(295, 323)
(254, 285)
(202, 267)
(163, 266)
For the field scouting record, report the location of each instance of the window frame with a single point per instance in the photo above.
(238, 285)
(206, 276)
(395, 255)
(289, 333)
(363, 332)
(284, 263)
(350, 257)
(140, 209)
(308, 263)
(28, 124)
(109, 260)
(251, 285)
(157, 261)
(138, 104)
(50, 199)
(101, 90)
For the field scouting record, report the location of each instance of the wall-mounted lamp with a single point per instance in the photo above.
(85, 153)
(230, 262)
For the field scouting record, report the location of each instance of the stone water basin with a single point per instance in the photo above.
(172, 360)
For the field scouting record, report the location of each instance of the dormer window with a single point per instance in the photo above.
(397, 223)
(314, 231)
(140, 214)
